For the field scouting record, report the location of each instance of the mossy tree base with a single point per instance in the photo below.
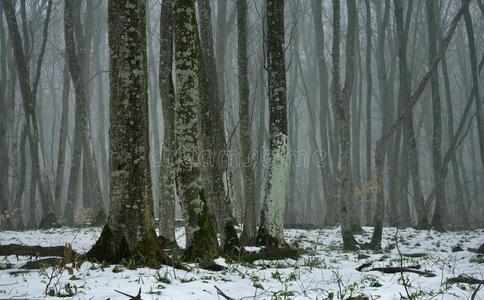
(349, 242)
(204, 246)
(264, 239)
(48, 221)
(231, 243)
(112, 247)
(247, 240)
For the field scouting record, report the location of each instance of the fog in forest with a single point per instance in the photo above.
(308, 134)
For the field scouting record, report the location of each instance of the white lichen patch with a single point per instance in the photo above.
(277, 184)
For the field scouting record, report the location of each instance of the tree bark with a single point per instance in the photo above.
(201, 240)
(61, 156)
(343, 112)
(271, 228)
(250, 227)
(167, 94)
(212, 139)
(129, 232)
(440, 203)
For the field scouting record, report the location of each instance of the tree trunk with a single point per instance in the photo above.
(325, 167)
(61, 157)
(5, 221)
(369, 87)
(250, 227)
(212, 137)
(128, 232)
(271, 228)
(440, 203)
(343, 112)
(201, 240)
(167, 94)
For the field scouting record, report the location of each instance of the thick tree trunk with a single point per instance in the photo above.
(213, 140)
(201, 240)
(250, 227)
(271, 228)
(128, 232)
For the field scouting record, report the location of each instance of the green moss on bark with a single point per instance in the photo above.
(231, 244)
(49, 221)
(204, 246)
(113, 248)
(264, 239)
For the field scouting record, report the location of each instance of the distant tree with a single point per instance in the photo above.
(82, 118)
(28, 93)
(440, 202)
(4, 159)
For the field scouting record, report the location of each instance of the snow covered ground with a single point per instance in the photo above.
(325, 271)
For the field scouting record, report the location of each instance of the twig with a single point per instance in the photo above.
(137, 297)
(219, 292)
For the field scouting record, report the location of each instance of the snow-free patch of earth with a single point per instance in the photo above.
(323, 272)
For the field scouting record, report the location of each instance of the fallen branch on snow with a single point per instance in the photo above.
(413, 269)
(464, 279)
(23, 250)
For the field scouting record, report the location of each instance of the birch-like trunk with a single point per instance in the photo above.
(271, 228)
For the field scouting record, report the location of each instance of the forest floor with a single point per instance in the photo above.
(324, 271)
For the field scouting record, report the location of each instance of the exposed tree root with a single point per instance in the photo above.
(464, 279)
(23, 250)
(113, 248)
